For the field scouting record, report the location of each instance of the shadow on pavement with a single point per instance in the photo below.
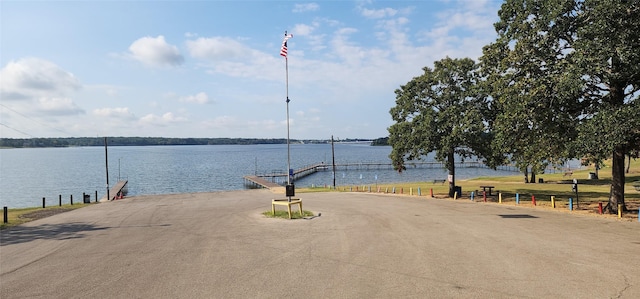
(22, 234)
(516, 216)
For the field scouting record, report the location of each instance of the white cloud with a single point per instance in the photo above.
(119, 113)
(58, 106)
(39, 87)
(305, 7)
(155, 52)
(33, 77)
(378, 13)
(216, 48)
(199, 98)
(163, 120)
(302, 29)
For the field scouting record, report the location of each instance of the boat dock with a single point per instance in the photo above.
(120, 186)
(276, 180)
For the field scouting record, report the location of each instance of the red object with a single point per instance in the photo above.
(484, 195)
(533, 199)
(431, 192)
(600, 208)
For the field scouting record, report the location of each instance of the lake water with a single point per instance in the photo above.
(28, 175)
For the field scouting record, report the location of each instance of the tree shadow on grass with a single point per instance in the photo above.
(65, 231)
(599, 182)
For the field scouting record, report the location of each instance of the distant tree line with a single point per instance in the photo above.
(131, 141)
(147, 141)
(380, 141)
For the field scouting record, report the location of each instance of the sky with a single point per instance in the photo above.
(212, 69)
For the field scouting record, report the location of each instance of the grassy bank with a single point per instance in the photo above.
(22, 215)
(591, 192)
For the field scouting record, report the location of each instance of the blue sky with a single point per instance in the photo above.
(213, 69)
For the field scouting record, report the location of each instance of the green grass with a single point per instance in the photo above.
(20, 216)
(590, 191)
(285, 215)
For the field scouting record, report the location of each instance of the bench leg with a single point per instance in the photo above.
(300, 205)
(289, 206)
(273, 209)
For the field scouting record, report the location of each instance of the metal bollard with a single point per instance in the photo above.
(6, 215)
(43, 204)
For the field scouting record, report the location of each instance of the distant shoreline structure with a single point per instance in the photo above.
(156, 141)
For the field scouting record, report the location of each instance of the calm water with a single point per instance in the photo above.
(28, 175)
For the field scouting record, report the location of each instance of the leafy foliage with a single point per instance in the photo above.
(565, 76)
(442, 111)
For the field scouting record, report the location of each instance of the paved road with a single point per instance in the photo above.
(218, 245)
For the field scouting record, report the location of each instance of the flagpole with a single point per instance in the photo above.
(288, 143)
(290, 189)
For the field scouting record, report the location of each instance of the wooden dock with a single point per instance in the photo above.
(120, 186)
(276, 181)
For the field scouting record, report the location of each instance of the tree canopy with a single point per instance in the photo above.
(560, 82)
(441, 111)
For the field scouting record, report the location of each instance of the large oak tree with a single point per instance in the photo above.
(440, 111)
(573, 62)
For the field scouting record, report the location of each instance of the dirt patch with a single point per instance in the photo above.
(35, 215)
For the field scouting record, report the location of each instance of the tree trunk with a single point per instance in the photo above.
(616, 99)
(526, 175)
(617, 182)
(452, 173)
(533, 177)
(628, 164)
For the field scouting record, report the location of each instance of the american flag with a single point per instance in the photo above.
(283, 50)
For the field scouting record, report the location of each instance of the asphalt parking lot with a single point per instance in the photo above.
(219, 245)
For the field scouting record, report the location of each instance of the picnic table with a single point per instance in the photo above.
(484, 188)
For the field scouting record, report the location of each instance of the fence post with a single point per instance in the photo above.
(6, 215)
(71, 199)
(619, 211)
(60, 200)
(43, 205)
(96, 195)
